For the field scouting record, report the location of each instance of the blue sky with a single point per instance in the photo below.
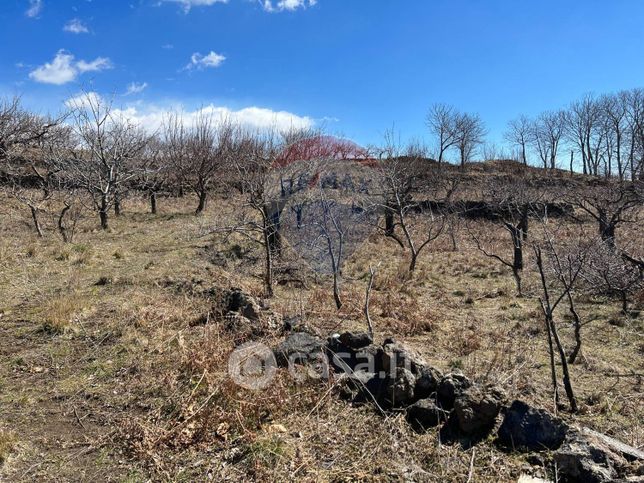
(357, 66)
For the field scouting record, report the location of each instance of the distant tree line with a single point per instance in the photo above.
(604, 135)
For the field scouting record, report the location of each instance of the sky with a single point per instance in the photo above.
(355, 67)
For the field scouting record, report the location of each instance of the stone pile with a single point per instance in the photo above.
(395, 379)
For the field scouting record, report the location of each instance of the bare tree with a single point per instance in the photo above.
(470, 134)
(103, 160)
(513, 201)
(154, 171)
(331, 225)
(611, 273)
(635, 119)
(20, 128)
(614, 113)
(568, 263)
(610, 203)
(554, 290)
(333, 210)
(28, 144)
(585, 130)
(518, 134)
(253, 158)
(547, 133)
(442, 121)
(413, 224)
(198, 152)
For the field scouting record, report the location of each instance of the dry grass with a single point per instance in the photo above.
(127, 383)
(8, 443)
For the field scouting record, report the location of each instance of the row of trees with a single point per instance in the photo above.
(95, 151)
(600, 136)
(96, 148)
(604, 135)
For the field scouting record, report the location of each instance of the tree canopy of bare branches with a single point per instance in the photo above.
(104, 157)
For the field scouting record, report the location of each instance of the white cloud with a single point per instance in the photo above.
(35, 7)
(75, 26)
(188, 4)
(291, 5)
(151, 116)
(135, 88)
(63, 69)
(199, 61)
(98, 64)
(268, 5)
(84, 100)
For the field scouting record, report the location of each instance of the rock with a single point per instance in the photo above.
(476, 409)
(246, 305)
(525, 428)
(356, 340)
(585, 458)
(293, 323)
(450, 387)
(531, 479)
(370, 358)
(396, 355)
(361, 387)
(344, 358)
(425, 414)
(427, 381)
(299, 347)
(242, 327)
(399, 389)
(628, 452)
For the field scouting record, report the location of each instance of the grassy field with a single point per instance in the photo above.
(113, 364)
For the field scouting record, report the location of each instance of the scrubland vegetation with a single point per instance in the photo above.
(120, 252)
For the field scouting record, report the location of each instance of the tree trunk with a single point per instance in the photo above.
(117, 204)
(389, 223)
(336, 290)
(517, 234)
(412, 264)
(268, 260)
(553, 369)
(517, 259)
(452, 236)
(61, 225)
(203, 196)
(274, 237)
(103, 213)
(564, 367)
(517, 279)
(153, 202)
(607, 231)
(390, 229)
(34, 216)
(575, 316)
